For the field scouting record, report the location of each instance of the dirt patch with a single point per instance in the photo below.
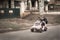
(14, 24)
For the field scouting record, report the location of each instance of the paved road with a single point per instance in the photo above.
(53, 33)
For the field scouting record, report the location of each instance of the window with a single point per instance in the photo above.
(17, 4)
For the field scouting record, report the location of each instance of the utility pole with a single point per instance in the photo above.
(41, 7)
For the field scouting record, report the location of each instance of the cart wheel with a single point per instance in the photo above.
(45, 29)
(32, 30)
(40, 30)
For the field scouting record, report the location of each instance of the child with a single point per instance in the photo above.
(44, 21)
(38, 25)
(43, 18)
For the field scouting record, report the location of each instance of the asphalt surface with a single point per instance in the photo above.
(53, 33)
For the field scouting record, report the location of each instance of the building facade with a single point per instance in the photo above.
(54, 5)
(31, 5)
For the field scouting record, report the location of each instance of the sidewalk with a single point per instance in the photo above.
(53, 13)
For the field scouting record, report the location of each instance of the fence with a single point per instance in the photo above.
(9, 12)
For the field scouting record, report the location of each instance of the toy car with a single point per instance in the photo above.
(38, 28)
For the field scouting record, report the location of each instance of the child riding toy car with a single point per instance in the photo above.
(39, 26)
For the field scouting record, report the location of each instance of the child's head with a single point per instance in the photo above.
(42, 17)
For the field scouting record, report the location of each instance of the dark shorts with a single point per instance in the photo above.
(43, 24)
